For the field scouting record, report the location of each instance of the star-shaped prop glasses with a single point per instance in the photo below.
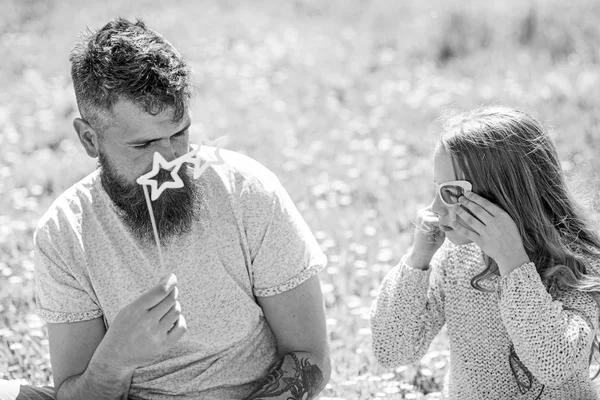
(159, 162)
(199, 170)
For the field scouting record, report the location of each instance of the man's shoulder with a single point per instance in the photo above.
(242, 173)
(70, 205)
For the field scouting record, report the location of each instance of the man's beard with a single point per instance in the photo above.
(174, 211)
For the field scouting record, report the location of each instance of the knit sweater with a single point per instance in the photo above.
(551, 334)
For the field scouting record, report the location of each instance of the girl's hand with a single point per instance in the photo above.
(492, 229)
(428, 238)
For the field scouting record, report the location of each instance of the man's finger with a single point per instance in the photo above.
(170, 317)
(158, 292)
(178, 330)
(161, 309)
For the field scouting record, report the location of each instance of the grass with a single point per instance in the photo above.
(338, 98)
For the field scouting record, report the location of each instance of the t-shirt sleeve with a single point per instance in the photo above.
(59, 296)
(284, 251)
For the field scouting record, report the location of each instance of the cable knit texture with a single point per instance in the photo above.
(551, 333)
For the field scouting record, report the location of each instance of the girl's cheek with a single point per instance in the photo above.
(452, 213)
(454, 216)
(438, 207)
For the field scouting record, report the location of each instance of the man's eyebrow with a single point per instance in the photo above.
(144, 141)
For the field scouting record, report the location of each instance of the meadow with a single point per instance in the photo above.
(339, 98)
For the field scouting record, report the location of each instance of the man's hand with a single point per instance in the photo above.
(140, 332)
(145, 328)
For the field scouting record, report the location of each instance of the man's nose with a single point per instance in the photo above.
(169, 150)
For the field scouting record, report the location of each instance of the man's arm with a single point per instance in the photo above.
(297, 318)
(92, 363)
(76, 373)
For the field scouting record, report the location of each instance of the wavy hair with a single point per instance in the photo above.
(125, 60)
(511, 160)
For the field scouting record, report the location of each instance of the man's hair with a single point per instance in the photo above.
(125, 60)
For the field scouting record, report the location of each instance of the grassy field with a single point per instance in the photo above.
(338, 98)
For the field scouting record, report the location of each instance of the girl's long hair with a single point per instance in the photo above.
(511, 160)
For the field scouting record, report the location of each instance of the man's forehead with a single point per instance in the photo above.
(132, 121)
(126, 112)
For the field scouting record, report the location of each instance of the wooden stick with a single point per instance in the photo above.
(149, 204)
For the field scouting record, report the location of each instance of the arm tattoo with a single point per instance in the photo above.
(303, 383)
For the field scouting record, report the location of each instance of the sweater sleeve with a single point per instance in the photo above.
(552, 337)
(408, 312)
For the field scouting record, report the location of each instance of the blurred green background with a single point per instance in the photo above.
(338, 98)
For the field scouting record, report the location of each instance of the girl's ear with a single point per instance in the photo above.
(87, 136)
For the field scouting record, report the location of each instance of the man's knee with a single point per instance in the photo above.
(36, 393)
(14, 390)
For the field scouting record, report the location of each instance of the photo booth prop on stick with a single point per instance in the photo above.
(174, 166)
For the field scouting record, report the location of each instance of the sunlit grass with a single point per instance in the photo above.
(338, 98)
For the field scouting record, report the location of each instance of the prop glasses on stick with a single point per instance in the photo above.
(174, 166)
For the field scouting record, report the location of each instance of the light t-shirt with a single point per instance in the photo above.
(249, 240)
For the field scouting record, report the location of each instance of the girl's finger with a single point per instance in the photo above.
(461, 230)
(490, 207)
(429, 227)
(429, 217)
(430, 220)
(470, 221)
(476, 210)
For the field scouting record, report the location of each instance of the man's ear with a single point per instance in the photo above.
(87, 136)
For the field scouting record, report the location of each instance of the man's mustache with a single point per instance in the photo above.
(174, 211)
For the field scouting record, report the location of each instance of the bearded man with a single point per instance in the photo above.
(238, 311)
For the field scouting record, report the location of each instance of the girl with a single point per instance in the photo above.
(517, 286)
